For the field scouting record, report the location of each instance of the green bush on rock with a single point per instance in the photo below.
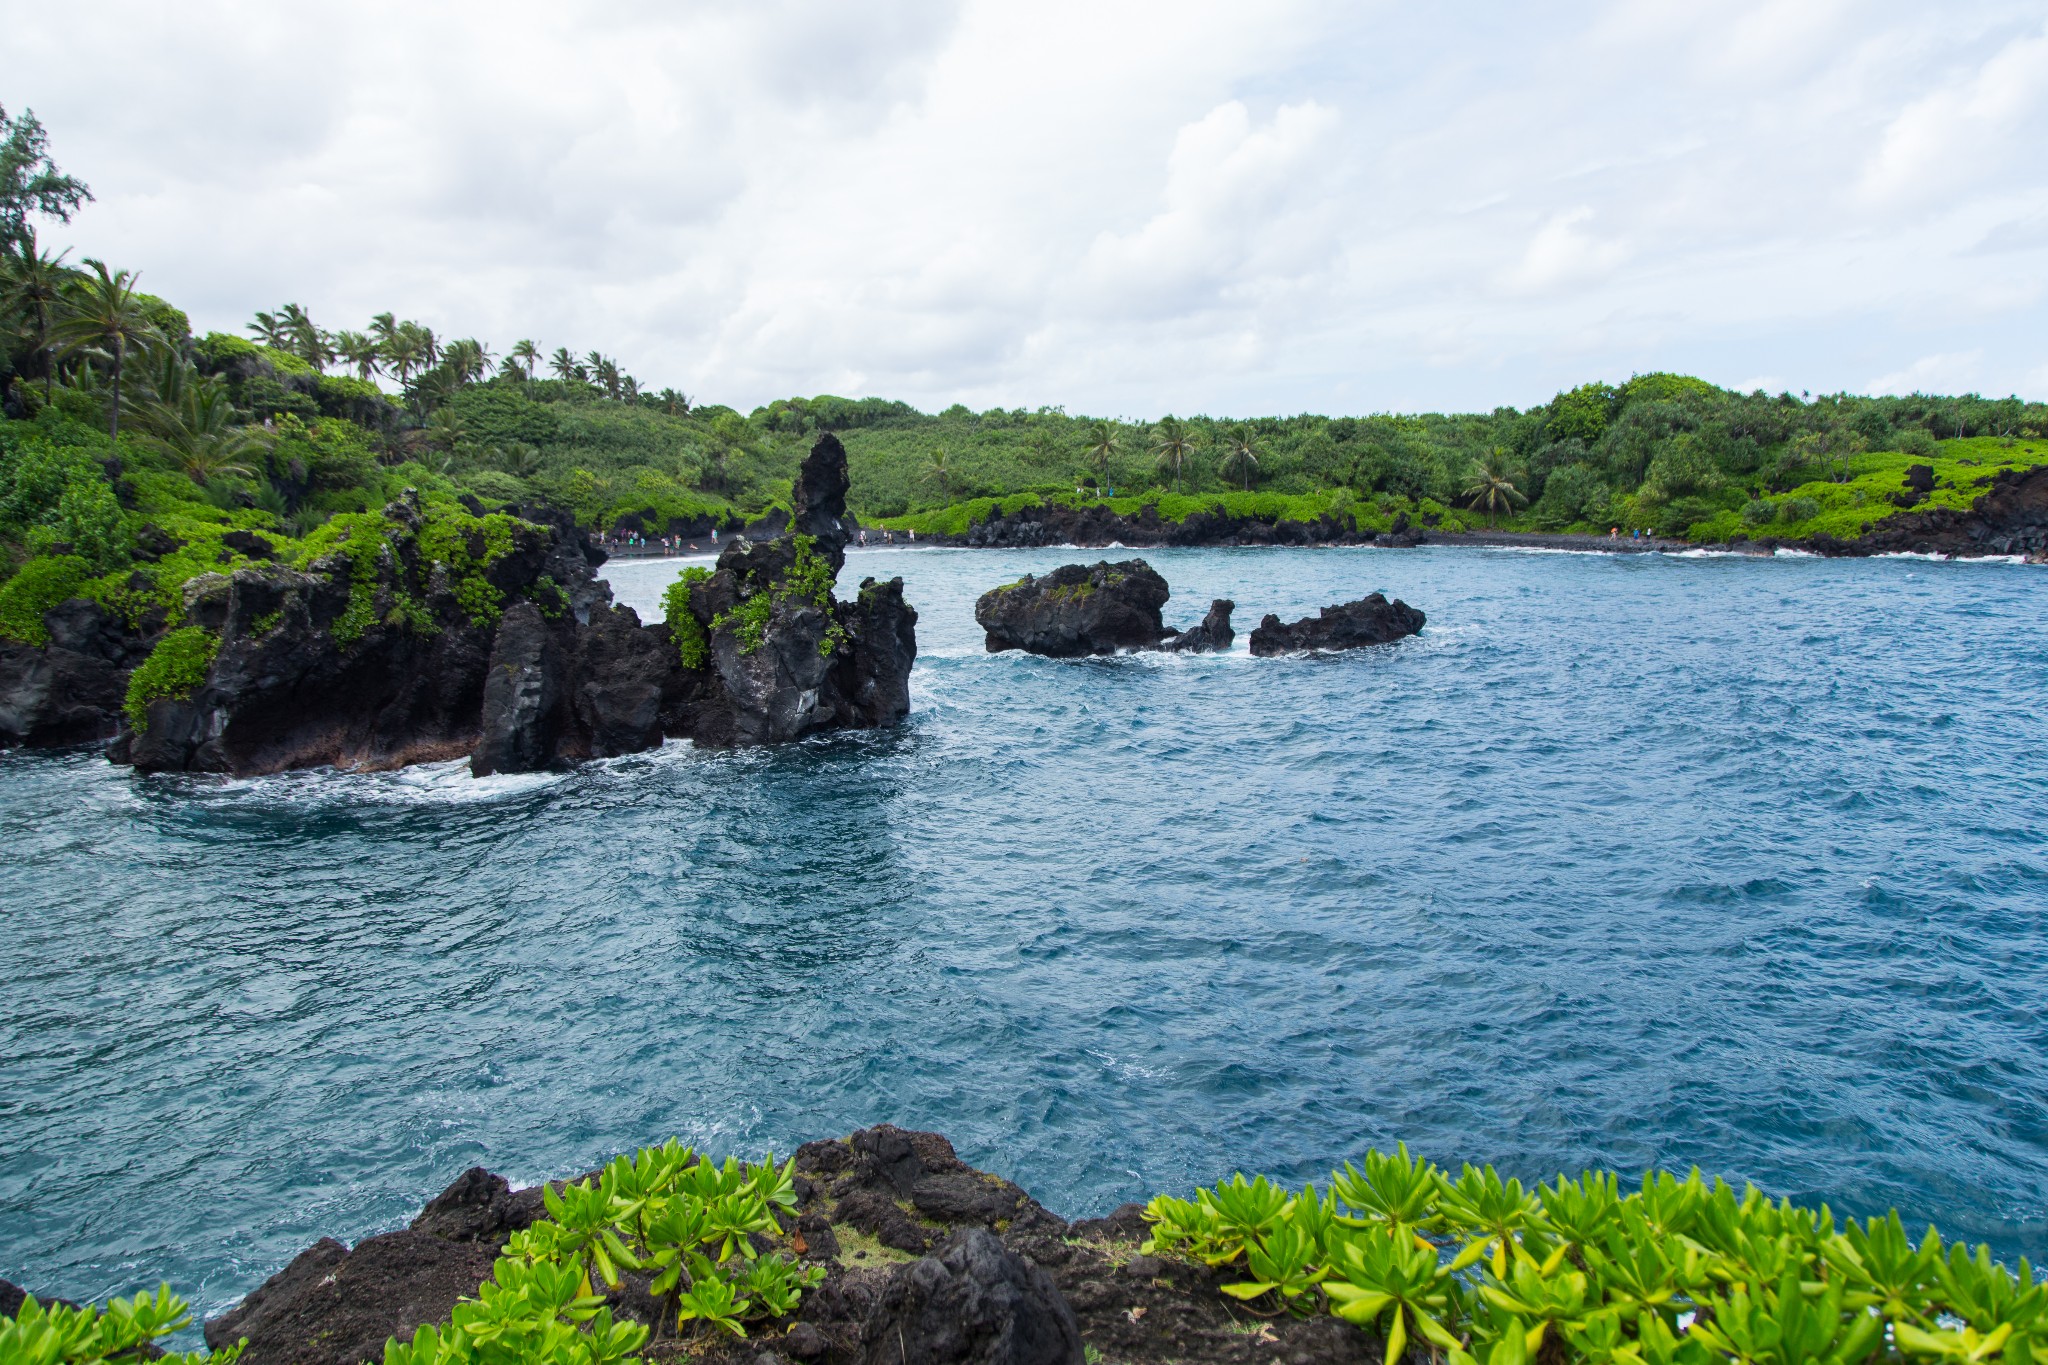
(175, 668)
(692, 641)
(1679, 1272)
(683, 1219)
(42, 583)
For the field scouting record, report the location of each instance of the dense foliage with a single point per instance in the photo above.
(1677, 1272)
(684, 1220)
(124, 1331)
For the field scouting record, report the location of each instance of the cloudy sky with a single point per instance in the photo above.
(1120, 207)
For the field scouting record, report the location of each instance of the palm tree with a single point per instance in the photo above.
(192, 420)
(444, 431)
(103, 316)
(1102, 444)
(937, 471)
(1176, 443)
(675, 402)
(527, 356)
(562, 363)
(33, 282)
(383, 327)
(1241, 455)
(404, 355)
(1493, 492)
(307, 341)
(520, 460)
(269, 329)
(467, 359)
(359, 350)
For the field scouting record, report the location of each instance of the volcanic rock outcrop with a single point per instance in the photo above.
(1079, 610)
(926, 1261)
(432, 633)
(1371, 620)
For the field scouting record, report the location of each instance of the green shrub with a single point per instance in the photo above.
(1677, 1272)
(123, 1332)
(89, 519)
(220, 349)
(1798, 509)
(175, 668)
(692, 642)
(683, 1220)
(1758, 512)
(1917, 441)
(41, 584)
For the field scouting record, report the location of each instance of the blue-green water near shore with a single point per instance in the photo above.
(1624, 860)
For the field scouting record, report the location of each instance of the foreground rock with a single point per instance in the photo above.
(1371, 620)
(434, 634)
(928, 1262)
(1079, 610)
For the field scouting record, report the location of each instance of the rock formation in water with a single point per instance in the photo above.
(1079, 610)
(927, 1261)
(430, 635)
(1371, 620)
(1211, 634)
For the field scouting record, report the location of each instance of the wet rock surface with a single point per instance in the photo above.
(928, 1262)
(71, 690)
(1077, 610)
(1212, 634)
(1372, 620)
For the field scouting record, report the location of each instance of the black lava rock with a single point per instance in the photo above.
(1371, 620)
(973, 1301)
(1077, 610)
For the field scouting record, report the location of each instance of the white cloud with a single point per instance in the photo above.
(1947, 373)
(1973, 128)
(1118, 205)
(1563, 252)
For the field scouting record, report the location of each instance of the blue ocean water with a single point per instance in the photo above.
(1626, 861)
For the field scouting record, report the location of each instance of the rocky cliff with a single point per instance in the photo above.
(430, 633)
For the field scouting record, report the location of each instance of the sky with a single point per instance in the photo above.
(1119, 208)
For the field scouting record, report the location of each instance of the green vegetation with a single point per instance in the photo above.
(1678, 1272)
(807, 581)
(1664, 453)
(692, 642)
(38, 587)
(124, 1331)
(175, 668)
(684, 1220)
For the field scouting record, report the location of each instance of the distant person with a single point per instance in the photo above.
(913, 537)
(1614, 533)
(714, 535)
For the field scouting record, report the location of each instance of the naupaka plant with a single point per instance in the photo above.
(1481, 1270)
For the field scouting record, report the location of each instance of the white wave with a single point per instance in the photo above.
(444, 783)
(1784, 552)
(1932, 558)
